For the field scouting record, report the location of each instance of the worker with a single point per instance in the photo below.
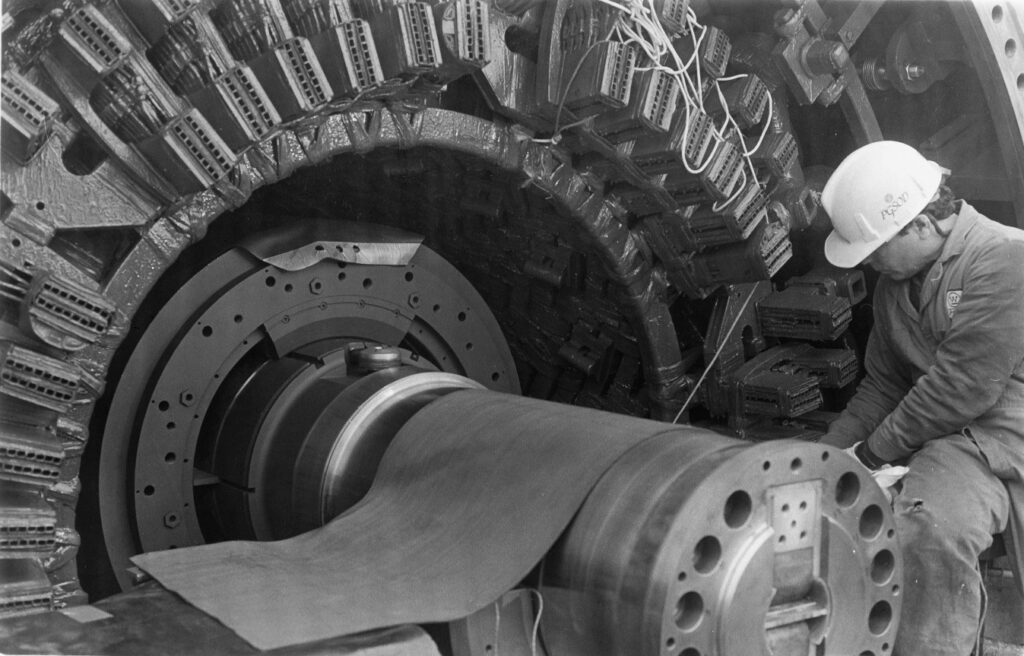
(943, 391)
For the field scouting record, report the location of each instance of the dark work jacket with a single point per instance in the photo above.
(955, 366)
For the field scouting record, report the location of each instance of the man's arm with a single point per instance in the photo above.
(878, 394)
(974, 362)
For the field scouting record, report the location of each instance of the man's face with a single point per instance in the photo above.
(901, 257)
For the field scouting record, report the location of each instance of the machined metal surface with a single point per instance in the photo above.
(686, 541)
(333, 472)
(217, 428)
(709, 546)
(673, 539)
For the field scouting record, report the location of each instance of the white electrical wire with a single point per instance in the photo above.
(767, 121)
(767, 124)
(536, 621)
(718, 206)
(718, 351)
(638, 26)
(497, 624)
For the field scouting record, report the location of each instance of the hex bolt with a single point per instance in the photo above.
(316, 286)
(915, 71)
(414, 300)
(839, 56)
(830, 94)
(172, 519)
(825, 57)
(787, 15)
(187, 398)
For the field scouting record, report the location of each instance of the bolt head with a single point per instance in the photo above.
(915, 71)
(785, 16)
(839, 55)
(832, 92)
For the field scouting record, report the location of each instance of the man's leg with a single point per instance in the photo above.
(950, 506)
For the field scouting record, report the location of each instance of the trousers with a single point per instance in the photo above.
(950, 506)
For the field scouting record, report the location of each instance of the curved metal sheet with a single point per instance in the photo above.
(471, 494)
(309, 242)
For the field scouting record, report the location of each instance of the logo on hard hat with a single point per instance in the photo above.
(894, 203)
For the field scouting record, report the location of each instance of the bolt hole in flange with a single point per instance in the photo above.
(818, 534)
(880, 618)
(706, 554)
(882, 566)
(848, 489)
(231, 358)
(689, 611)
(871, 521)
(737, 509)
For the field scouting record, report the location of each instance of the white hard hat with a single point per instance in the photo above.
(877, 190)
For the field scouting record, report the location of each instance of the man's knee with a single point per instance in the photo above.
(950, 493)
(932, 529)
(918, 524)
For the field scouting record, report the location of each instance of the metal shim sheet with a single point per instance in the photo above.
(458, 514)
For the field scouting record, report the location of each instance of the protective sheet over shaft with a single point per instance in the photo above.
(471, 494)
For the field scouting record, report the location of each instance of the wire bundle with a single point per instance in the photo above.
(639, 26)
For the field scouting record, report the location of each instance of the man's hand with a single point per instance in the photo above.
(885, 475)
(867, 457)
(888, 475)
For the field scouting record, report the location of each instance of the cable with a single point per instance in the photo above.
(718, 352)
(497, 624)
(638, 26)
(536, 621)
(556, 134)
(718, 206)
(767, 120)
(767, 124)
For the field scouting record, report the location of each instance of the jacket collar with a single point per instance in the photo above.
(966, 218)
